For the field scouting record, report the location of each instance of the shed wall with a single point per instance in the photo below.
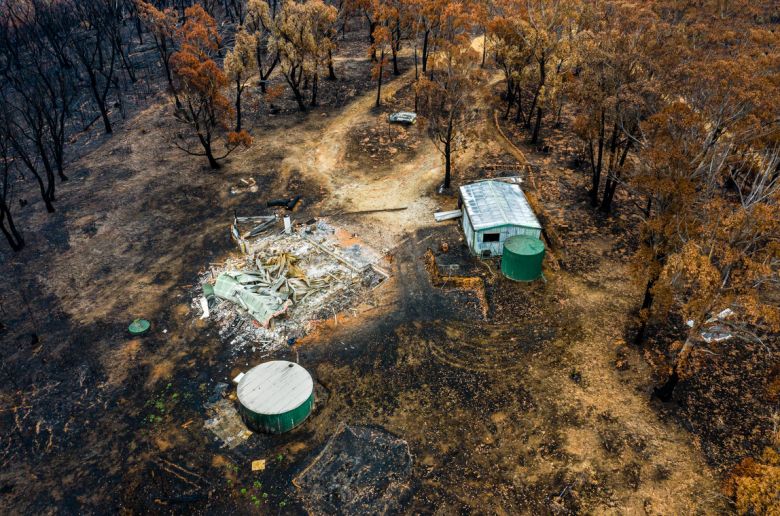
(477, 246)
(468, 230)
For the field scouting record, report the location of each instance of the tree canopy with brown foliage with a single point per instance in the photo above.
(200, 85)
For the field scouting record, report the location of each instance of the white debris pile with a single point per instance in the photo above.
(283, 284)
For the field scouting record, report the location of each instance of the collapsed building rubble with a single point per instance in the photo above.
(282, 284)
(361, 470)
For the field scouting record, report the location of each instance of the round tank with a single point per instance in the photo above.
(275, 396)
(522, 259)
(139, 326)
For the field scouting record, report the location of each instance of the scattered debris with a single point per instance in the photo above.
(715, 332)
(226, 424)
(291, 205)
(218, 394)
(288, 204)
(361, 470)
(249, 185)
(204, 305)
(277, 203)
(266, 222)
(403, 117)
(515, 180)
(366, 212)
(191, 484)
(723, 314)
(441, 216)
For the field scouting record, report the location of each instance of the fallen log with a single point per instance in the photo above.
(364, 212)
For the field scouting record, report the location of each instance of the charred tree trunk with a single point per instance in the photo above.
(666, 391)
(395, 46)
(47, 193)
(7, 225)
(331, 70)
(647, 303)
(379, 79)
(126, 64)
(613, 181)
(138, 29)
(314, 89)
(416, 77)
(100, 101)
(293, 79)
(533, 108)
(371, 39)
(509, 96)
(484, 47)
(448, 155)
(425, 50)
(239, 91)
(259, 59)
(597, 164)
(264, 75)
(12, 235)
(205, 141)
(537, 126)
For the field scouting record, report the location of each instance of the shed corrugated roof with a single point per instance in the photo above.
(491, 204)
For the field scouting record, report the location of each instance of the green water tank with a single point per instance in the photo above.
(522, 258)
(139, 326)
(275, 396)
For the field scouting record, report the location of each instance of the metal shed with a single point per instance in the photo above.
(493, 212)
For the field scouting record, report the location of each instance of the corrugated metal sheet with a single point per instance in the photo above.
(491, 204)
(275, 387)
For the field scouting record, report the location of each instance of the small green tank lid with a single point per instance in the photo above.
(139, 326)
(524, 245)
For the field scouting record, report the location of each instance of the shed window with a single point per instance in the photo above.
(490, 237)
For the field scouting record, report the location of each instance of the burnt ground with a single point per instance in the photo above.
(538, 408)
(728, 397)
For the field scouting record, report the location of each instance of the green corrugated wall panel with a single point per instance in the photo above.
(277, 423)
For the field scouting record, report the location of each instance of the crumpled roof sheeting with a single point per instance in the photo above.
(240, 289)
(491, 204)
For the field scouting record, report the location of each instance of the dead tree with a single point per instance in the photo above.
(7, 177)
(96, 55)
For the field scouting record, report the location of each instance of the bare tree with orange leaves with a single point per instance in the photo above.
(200, 82)
(448, 91)
(162, 24)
